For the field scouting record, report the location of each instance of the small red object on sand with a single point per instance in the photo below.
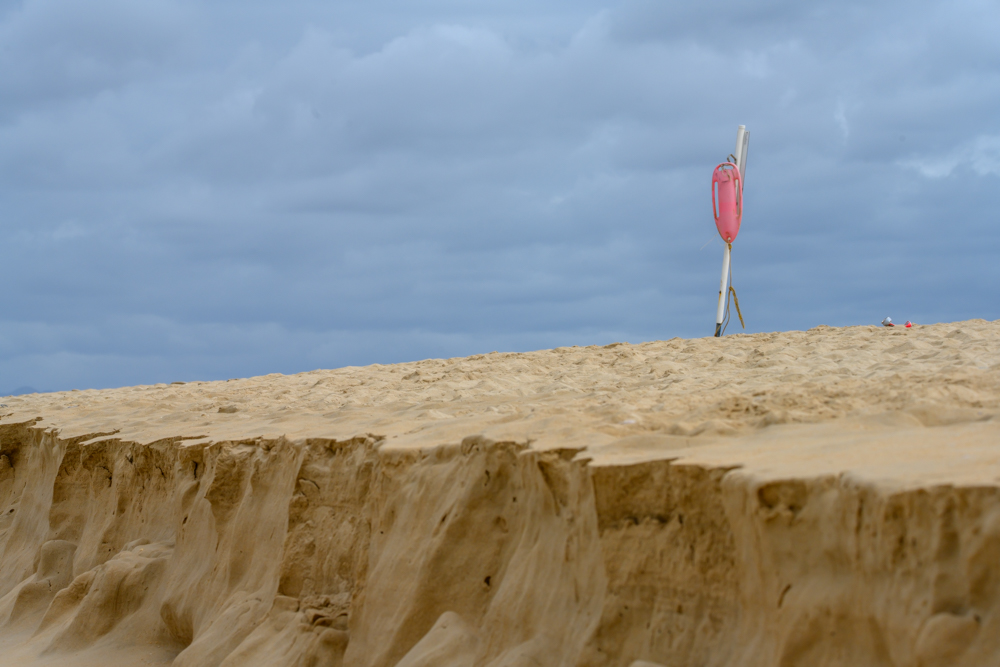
(908, 324)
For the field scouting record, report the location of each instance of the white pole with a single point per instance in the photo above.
(723, 289)
(738, 153)
(744, 149)
(741, 131)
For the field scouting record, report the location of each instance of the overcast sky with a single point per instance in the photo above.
(213, 190)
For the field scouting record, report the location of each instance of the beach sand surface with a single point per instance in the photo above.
(820, 498)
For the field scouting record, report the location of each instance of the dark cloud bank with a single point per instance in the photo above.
(195, 191)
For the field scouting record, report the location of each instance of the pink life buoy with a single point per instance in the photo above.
(727, 200)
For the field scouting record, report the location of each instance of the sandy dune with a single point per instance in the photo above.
(819, 498)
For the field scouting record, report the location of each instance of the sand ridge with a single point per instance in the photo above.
(823, 497)
(701, 387)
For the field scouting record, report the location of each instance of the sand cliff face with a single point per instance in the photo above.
(817, 498)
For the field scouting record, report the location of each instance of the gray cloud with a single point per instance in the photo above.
(195, 191)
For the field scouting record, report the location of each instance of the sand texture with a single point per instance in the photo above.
(815, 499)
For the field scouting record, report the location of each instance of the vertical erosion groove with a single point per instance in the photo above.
(486, 552)
(672, 592)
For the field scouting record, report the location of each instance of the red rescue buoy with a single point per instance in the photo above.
(727, 200)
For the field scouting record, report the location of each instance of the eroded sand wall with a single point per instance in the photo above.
(325, 552)
(837, 572)
(672, 576)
